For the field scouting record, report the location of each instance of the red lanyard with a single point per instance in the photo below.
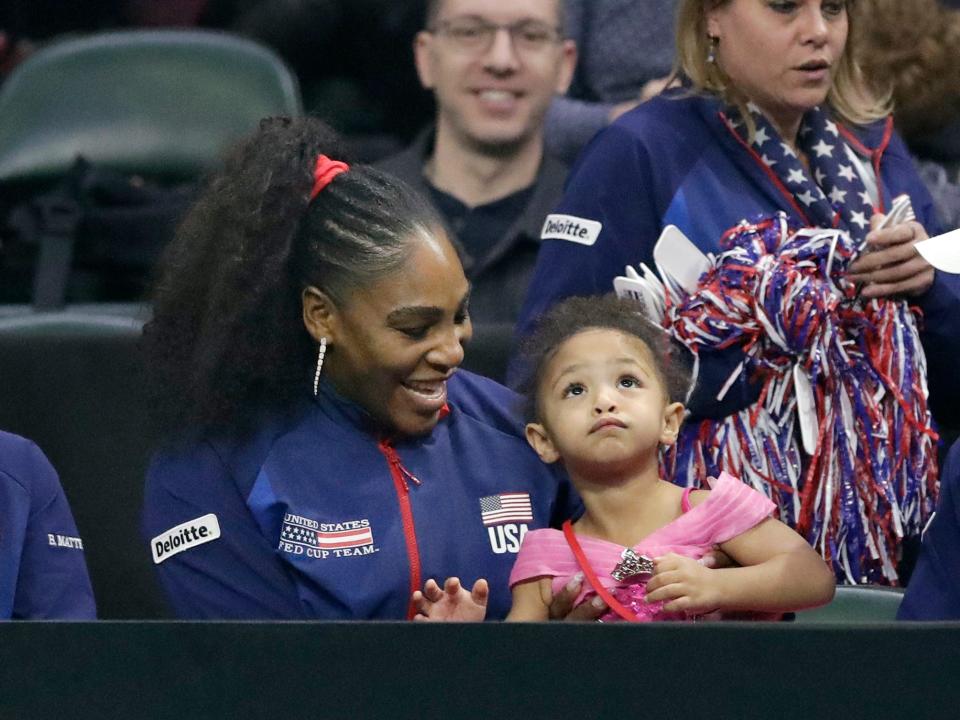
(592, 578)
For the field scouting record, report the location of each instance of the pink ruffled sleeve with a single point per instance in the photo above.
(544, 553)
(734, 508)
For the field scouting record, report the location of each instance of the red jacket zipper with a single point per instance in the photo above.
(400, 476)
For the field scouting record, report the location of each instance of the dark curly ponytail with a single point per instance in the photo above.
(227, 340)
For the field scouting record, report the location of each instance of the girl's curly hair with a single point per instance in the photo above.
(608, 312)
(227, 339)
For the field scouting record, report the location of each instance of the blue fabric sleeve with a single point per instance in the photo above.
(940, 328)
(488, 401)
(571, 123)
(901, 176)
(495, 405)
(612, 184)
(940, 335)
(615, 184)
(236, 576)
(934, 589)
(14, 511)
(43, 575)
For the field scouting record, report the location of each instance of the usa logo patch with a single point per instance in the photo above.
(505, 516)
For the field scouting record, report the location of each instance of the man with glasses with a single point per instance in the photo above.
(493, 67)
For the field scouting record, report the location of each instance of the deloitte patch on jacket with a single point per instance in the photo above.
(569, 227)
(184, 536)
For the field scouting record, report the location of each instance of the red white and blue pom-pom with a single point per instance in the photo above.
(870, 477)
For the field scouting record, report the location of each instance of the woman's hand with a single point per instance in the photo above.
(891, 266)
(716, 558)
(561, 605)
(452, 603)
(684, 585)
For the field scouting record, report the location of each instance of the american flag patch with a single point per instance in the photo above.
(301, 531)
(505, 507)
(344, 538)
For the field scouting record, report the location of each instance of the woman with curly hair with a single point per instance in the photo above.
(326, 454)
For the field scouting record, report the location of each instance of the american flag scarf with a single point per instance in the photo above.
(828, 194)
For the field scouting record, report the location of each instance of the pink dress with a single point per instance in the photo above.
(731, 509)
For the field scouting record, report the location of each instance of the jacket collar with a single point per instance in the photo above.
(346, 412)
(547, 192)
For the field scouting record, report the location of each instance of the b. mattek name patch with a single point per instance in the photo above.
(184, 536)
(568, 227)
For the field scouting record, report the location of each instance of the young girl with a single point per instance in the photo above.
(603, 399)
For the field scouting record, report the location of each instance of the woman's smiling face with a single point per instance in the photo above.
(393, 345)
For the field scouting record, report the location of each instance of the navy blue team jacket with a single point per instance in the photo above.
(317, 517)
(673, 161)
(42, 570)
(934, 589)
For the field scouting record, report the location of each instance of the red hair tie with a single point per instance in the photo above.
(325, 171)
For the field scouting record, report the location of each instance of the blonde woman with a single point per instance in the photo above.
(772, 116)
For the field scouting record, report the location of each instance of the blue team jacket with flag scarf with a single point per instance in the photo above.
(934, 589)
(317, 517)
(42, 570)
(674, 161)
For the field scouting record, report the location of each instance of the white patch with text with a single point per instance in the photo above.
(184, 536)
(64, 541)
(569, 227)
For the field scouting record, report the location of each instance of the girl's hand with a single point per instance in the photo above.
(684, 585)
(892, 267)
(453, 603)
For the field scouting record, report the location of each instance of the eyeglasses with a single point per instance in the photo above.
(476, 35)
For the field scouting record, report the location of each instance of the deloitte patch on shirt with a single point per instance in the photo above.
(569, 227)
(184, 536)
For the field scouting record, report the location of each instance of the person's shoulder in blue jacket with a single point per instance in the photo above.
(487, 401)
(934, 589)
(42, 570)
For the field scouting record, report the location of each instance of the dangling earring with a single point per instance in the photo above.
(320, 354)
(712, 51)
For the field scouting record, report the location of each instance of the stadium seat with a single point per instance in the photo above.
(856, 604)
(162, 103)
(72, 384)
